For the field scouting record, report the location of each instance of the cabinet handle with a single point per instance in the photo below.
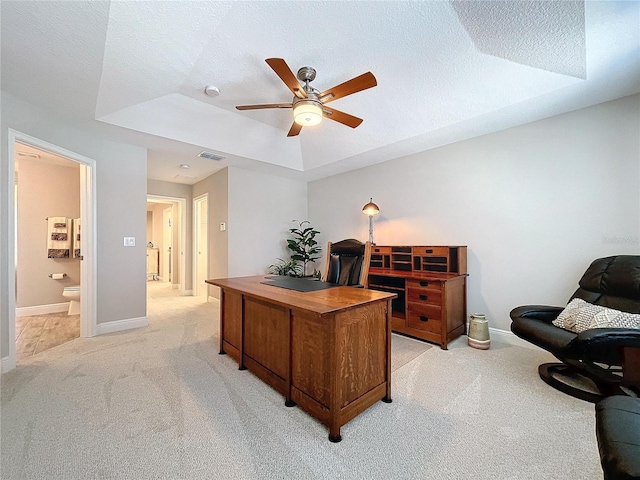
(424, 283)
(428, 250)
(423, 318)
(424, 297)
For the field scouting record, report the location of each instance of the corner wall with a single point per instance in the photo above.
(535, 204)
(257, 209)
(217, 188)
(261, 208)
(121, 211)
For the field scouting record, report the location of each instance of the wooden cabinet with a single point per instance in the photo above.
(430, 282)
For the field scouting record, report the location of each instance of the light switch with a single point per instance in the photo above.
(129, 241)
(223, 226)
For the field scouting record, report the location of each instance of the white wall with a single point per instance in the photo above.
(257, 209)
(121, 172)
(261, 208)
(535, 204)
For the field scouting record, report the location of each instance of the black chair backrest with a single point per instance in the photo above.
(345, 262)
(612, 282)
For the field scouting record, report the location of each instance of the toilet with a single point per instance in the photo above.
(73, 294)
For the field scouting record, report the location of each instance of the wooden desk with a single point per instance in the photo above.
(328, 351)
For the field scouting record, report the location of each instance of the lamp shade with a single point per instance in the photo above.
(307, 113)
(370, 208)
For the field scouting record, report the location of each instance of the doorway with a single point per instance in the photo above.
(18, 141)
(201, 245)
(166, 239)
(167, 245)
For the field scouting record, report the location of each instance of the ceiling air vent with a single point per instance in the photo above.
(210, 155)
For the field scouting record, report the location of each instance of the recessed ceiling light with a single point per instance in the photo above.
(212, 91)
(185, 166)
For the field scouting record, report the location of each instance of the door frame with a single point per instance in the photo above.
(196, 235)
(182, 213)
(88, 240)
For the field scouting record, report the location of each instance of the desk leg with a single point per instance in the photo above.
(221, 332)
(241, 359)
(287, 399)
(334, 385)
(387, 397)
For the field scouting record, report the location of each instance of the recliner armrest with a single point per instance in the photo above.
(611, 337)
(605, 345)
(539, 312)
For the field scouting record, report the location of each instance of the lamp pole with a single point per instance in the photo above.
(371, 230)
(371, 209)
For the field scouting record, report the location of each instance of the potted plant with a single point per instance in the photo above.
(285, 267)
(304, 246)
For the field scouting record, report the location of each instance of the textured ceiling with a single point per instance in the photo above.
(446, 71)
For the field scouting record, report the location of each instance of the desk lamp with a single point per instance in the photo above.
(371, 209)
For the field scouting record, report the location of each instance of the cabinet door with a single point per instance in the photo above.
(266, 335)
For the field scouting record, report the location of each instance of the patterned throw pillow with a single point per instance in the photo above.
(579, 316)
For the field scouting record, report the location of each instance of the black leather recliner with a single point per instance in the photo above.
(597, 362)
(618, 434)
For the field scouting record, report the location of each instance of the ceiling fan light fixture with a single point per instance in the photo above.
(307, 113)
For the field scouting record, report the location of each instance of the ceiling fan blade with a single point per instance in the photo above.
(357, 84)
(266, 105)
(294, 130)
(286, 75)
(338, 116)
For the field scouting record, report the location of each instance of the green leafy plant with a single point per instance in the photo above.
(285, 267)
(304, 246)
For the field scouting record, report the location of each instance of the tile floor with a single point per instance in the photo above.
(40, 332)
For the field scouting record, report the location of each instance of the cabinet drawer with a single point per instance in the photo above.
(424, 295)
(424, 284)
(424, 317)
(383, 250)
(436, 251)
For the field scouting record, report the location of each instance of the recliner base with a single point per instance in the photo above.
(571, 381)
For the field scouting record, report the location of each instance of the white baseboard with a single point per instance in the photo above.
(42, 309)
(175, 286)
(7, 364)
(119, 325)
(509, 337)
(187, 293)
(211, 299)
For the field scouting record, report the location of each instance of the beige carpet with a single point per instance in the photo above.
(160, 403)
(405, 350)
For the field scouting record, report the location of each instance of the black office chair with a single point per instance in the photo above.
(597, 362)
(347, 263)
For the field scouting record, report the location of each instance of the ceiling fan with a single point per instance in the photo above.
(310, 105)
